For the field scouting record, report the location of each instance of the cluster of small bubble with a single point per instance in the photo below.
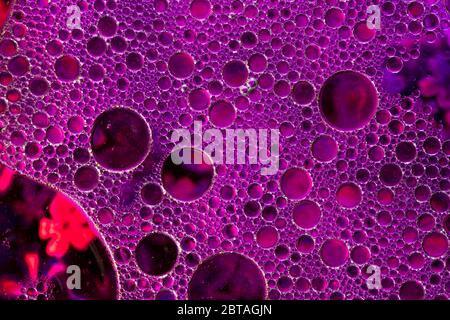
(363, 175)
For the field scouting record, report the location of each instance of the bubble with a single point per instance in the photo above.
(39, 86)
(305, 244)
(406, 151)
(257, 63)
(107, 26)
(348, 100)
(199, 99)
(181, 65)
(188, 182)
(156, 254)
(96, 46)
(435, 244)
(360, 254)
(67, 68)
(267, 237)
(349, 195)
(411, 290)
(306, 214)
(334, 17)
(120, 139)
(235, 73)
(151, 194)
(134, 61)
(227, 276)
(18, 66)
(394, 64)
(334, 253)
(86, 178)
(222, 114)
(249, 40)
(324, 148)
(200, 9)
(362, 33)
(440, 202)
(303, 92)
(296, 183)
(390, 174)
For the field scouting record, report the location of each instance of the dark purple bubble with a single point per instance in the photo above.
(228, 276)
(120, 139)
(348, 100)
(156, 254)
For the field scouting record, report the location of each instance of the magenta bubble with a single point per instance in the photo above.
(334, 17)
(181, 65)
(200, 9)
(435, 244)
(296, 183)
(257, 63)
(199, 99)
(349, 195)
(267, 237)
(324, 148)
(305, 244)
(362, 33)
(440, 202)
(151, 194)
(222, 114)
(306, 214)
(67, 68)
(18, 66)
(334, 252)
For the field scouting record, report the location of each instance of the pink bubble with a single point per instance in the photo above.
(222, 114)
(306, 214)
(267, 237)
(334, 253)
(435, 244)
(349, 195)
(200, 9)
(67, 68)
(334, 17)
(324, 148)
(296, 183)
(360, 254)
(235, 73)
(181, 65)
(362, 33)
(199, 99)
